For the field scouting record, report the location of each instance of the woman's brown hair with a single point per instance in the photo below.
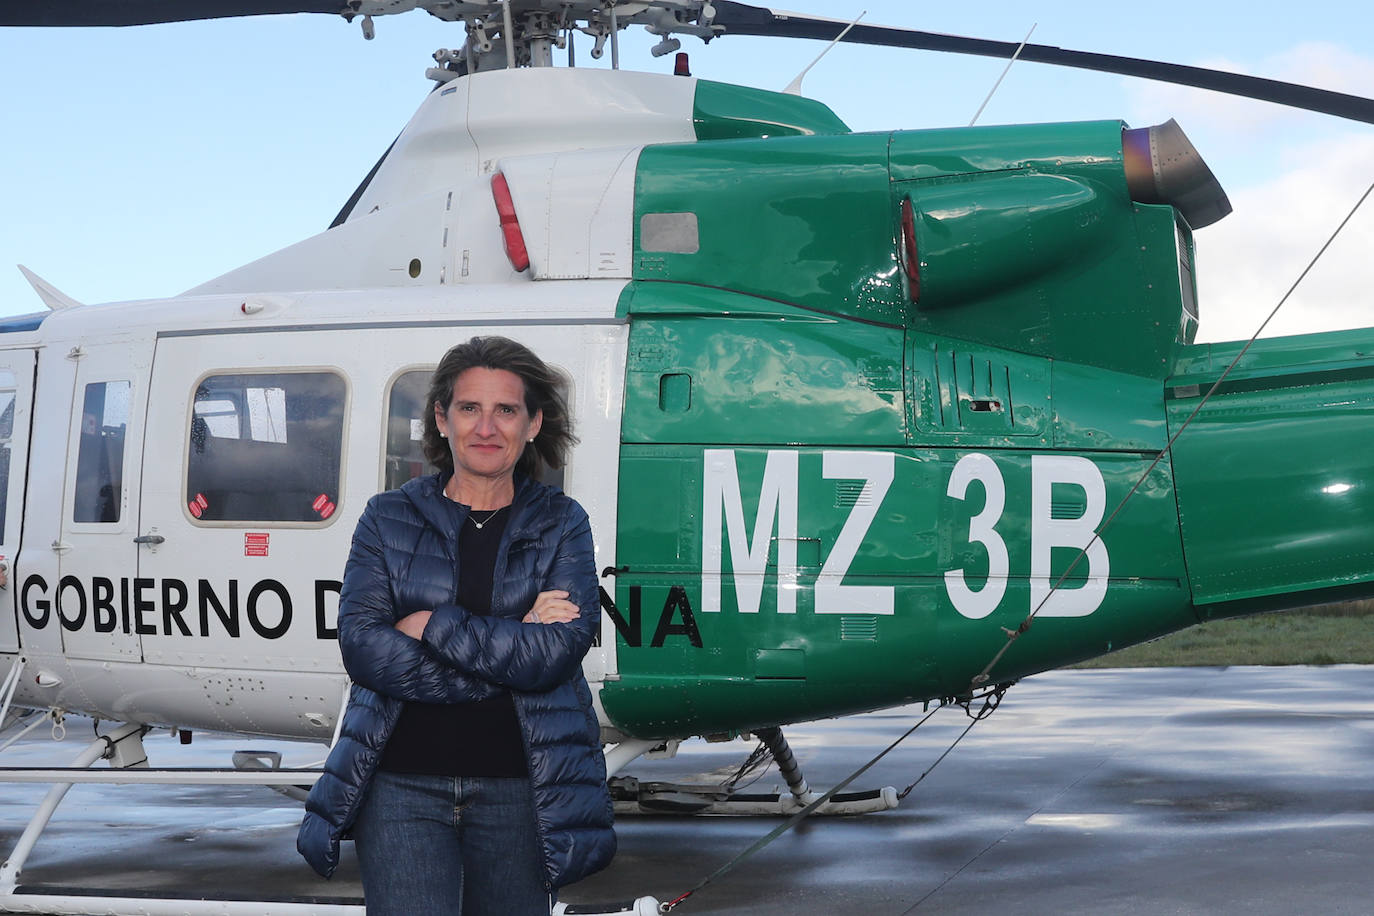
(545, 390)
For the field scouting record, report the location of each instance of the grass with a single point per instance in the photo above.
(1335, 634)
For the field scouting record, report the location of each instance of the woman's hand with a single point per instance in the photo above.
(413, 625)
(551, 607)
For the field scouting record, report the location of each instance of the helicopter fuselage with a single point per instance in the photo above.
(852, 407)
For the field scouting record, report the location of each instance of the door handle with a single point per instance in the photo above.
(149, 539)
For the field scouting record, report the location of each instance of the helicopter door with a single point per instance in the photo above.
(244, 496)
(94, 597)
(16, 406)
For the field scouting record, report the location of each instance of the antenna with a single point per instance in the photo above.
(615, 39)
(52, 297)
(794, 87)
(509, 29)
(1019, 47)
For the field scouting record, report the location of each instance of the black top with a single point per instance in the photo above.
(463, 739)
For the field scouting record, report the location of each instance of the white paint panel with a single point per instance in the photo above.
(100, 557)
(576, 211)
(288, 684)
(462, 130)
(431, 199)
(234, 671)
(578, 108)
(433, 152)
(374, 250)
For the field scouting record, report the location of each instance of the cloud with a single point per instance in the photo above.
(1323, 65)
(1249, 260)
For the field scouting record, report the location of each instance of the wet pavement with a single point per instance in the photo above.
(1219, 791)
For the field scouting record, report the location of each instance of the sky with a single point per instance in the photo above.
(139, 162)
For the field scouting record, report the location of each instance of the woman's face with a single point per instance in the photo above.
(486, 423)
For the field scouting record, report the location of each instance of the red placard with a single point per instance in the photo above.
(255, 543)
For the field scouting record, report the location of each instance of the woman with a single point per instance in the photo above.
(469, 767)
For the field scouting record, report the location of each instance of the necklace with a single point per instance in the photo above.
(482, 524)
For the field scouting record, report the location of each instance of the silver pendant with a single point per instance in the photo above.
(482, 524)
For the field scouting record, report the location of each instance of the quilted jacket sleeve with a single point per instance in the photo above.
(529, 657)
(376, 654)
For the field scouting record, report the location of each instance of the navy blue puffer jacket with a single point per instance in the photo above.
(403, 560)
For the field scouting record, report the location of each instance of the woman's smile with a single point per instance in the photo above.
(487, 423)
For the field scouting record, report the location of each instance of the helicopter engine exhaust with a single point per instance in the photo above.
(1163, 167)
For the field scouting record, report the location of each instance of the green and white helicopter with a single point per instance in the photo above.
(856, 409)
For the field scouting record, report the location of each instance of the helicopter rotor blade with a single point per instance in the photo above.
(149, 12)
(743, 19)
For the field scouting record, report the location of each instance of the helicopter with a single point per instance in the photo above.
(854, 407)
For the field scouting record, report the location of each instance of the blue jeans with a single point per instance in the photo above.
(452, 845)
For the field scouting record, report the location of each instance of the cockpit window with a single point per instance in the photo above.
(266, 447)
(405, 427)
(100, 455)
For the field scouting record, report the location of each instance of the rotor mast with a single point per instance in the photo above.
(524, 33)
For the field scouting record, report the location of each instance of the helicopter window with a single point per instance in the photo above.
(7, 395)
(405, 427)
(100, 455)
(265, 447)
(258, 414)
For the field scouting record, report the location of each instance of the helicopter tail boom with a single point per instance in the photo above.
(1272, 476)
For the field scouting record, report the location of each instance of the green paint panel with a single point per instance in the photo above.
(1099, 409)
(1022, 227)
(801, 220)
(725, 112)
(965, 395)
(762, 660)
(1091, 149)
(1275, 485)
(1027, 240)
(1276, 362)
(746, 378)
(1121, 284)
(968, 395)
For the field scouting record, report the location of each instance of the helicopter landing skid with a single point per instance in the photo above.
(634, 797)
(631, 796)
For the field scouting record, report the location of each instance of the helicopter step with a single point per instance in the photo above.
(631, 796)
